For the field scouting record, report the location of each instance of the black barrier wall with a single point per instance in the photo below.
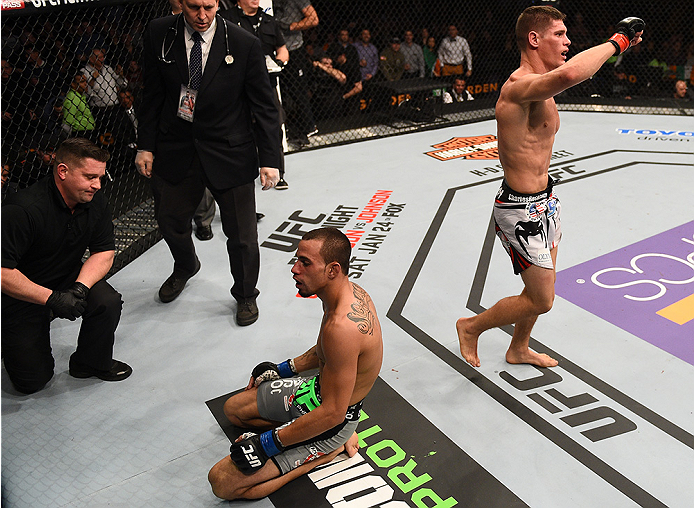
(366, 69)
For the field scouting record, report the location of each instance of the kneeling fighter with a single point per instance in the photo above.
(306, 421)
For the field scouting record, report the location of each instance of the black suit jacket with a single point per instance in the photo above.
(236, 125)
(122, 128)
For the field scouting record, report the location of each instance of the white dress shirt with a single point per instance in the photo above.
(454, 52)
(206, 42)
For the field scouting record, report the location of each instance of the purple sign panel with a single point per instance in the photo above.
(646, 288)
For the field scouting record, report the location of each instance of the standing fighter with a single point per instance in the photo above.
(526, 210)
(307, 420)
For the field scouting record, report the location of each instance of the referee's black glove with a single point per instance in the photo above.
(69, 303)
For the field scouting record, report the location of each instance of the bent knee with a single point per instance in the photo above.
(241, 407)
(104, 299)
(219, 481)
(231, 411)
(29, 388)
(28, 384)
(543, 305)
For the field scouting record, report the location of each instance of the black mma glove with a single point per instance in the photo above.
(70, 303)
(79, 290)
(626, 32)
(253, 451)
(268, 371)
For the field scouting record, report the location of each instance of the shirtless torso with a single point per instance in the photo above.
(526, 136)
(527, 121)
(354, 320)
(309, 425)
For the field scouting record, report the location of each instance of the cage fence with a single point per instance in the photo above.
(74, 67)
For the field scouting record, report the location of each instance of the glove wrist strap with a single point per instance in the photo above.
(271, 443)
(286, 368)
(621, 43)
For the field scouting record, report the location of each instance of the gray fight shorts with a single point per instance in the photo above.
(284, 400)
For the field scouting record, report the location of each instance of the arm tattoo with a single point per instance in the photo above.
(361, 313)
(308, 355)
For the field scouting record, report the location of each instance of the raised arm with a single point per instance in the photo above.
(539, 87)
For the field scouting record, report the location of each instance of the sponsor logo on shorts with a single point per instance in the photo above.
(544, 257)
(313, 454)
(473, 148)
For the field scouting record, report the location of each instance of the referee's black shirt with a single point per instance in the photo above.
(45, 241)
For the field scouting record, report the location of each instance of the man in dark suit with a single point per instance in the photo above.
(121, 132)
(126, 119)
(217, 145)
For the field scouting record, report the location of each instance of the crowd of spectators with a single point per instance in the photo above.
(85, 77)
(79, 79)
(446, 54)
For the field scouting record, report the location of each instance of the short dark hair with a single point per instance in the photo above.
(535, 19)
(73, 151)
(335, 248)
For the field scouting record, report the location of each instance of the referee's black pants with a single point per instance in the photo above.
(174, 208)
(294, 81)
(26, 341)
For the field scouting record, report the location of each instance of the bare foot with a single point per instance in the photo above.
(352, 445)
(468, 342)
(531, 357)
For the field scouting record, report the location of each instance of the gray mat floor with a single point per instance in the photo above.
(626, 190)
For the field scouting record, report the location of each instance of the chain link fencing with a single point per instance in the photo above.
(367, 69)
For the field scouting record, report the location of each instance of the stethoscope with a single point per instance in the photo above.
(228, 59)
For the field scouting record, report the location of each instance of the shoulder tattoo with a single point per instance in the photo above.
(361, 313)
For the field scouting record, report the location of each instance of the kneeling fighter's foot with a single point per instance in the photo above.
(352, 445)
(468, 343)
(531, 357)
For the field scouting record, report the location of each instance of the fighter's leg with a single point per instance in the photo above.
(266, 488)
(229, 483)
(242, 410)
(519, 350)
(537, 298)
(467, 339)
(539, 287)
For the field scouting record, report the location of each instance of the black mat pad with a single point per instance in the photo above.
(412, 461)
